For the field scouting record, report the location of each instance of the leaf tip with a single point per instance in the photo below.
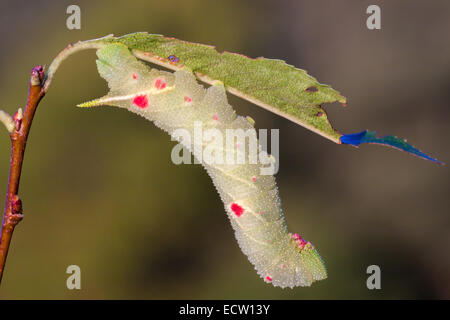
(355, 139)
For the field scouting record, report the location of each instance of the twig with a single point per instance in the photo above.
(18, 128)
(19, 134)
(69, 50)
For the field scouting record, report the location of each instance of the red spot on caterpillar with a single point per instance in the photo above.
(254, 179)
(296, 236)
(187, 99)
(160, 84)
(299, 240)
(215, 118)
(141, 101)
(134, 76)
(237, 209)
(269, 279)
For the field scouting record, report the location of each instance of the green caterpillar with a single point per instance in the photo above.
(176, 101)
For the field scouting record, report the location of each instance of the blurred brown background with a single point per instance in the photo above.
(100, 191)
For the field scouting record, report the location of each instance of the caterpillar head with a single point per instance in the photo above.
(135, 86)
(131, 82)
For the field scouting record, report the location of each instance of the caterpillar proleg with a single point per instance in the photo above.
(176, 100)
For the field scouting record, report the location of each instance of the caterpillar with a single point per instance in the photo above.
(176, 100)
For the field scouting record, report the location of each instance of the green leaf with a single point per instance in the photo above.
(271, 84)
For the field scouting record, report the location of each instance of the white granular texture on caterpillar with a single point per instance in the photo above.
(177, 100)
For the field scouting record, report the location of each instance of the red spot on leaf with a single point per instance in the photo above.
(254, 179)
(269, 279)
(134, 76)
(237, 209)
(187, 99)
(215, 118)
(283, 266)
(160, 84)
(141, 101)
(319, 114)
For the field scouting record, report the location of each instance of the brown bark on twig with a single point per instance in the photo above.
(13, 205)
(39, 85)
